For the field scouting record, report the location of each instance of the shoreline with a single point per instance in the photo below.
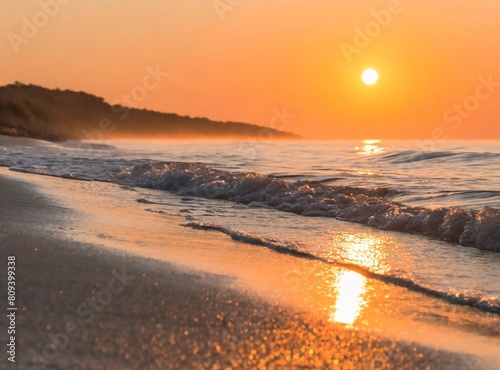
(167, 315)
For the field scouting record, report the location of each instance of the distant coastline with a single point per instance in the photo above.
(57, 115)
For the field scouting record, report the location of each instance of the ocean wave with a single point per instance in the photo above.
(369, 206)
(409, 156)
(78, 144)
(458, 297)
(293, 249)
(415, 156)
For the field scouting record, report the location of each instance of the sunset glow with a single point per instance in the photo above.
(241, 62)
(250, 184)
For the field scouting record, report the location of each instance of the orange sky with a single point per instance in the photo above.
(244, 62)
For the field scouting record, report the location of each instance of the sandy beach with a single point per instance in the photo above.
(89, 297)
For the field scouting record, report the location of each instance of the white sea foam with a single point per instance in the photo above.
(370, 206)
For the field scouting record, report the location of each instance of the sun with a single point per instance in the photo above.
(370, 76)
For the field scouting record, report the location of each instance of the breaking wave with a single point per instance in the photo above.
(369, 206)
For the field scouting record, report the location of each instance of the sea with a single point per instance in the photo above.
(424, 219)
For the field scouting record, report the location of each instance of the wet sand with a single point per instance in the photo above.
(88, 301)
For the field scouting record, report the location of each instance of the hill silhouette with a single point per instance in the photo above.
(56, 115)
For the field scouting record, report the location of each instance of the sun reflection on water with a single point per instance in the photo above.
(366, 250)
(351, 287)
(370, 147)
